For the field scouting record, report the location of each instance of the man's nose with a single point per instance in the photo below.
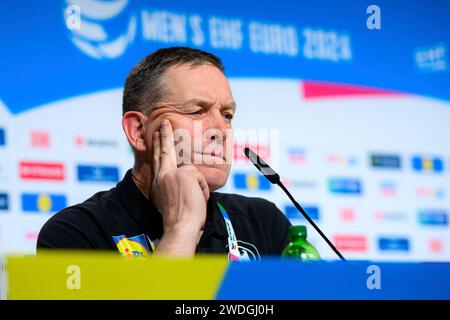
(214, 135)
(216, 128)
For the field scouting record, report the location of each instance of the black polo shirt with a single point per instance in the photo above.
(260, 227)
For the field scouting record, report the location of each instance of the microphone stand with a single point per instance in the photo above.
(274, 178)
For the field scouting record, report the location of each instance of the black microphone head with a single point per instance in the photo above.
(262, 166)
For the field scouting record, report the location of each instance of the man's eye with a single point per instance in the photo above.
(228, 116)
(197, 112)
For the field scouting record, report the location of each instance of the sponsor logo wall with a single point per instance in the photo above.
(357, 130)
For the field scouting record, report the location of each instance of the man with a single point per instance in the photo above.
(177, 114)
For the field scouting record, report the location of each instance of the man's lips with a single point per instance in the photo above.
(217, 156)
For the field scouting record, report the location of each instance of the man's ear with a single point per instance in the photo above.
(133, 124)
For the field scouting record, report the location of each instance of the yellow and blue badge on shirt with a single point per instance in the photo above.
(137, 246)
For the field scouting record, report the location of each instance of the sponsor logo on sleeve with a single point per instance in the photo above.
(136, 246)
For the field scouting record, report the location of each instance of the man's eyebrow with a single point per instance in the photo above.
(230, 105)
(198, 101)
(203, 101)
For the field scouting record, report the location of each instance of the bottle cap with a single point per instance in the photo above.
(299, 231)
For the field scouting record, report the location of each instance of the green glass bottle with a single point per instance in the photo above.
(299, 247)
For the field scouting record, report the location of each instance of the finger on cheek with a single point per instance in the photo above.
(156, 151)
(164, 132)
(165, 125)
(155, 139)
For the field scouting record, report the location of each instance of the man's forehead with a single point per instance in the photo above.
(184, 71)
(209, 89)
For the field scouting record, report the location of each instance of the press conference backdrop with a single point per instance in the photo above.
(350, 103)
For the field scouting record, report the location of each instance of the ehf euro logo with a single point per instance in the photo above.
(101, 29)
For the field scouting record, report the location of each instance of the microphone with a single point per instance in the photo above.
(274, 178)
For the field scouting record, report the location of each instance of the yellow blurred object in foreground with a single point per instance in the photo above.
(101, 275)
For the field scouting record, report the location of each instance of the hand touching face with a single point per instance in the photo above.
(199, 105)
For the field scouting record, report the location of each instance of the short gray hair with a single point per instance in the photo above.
(144, 86)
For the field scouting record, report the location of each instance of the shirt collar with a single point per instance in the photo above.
(142, 210)
(149, 220)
